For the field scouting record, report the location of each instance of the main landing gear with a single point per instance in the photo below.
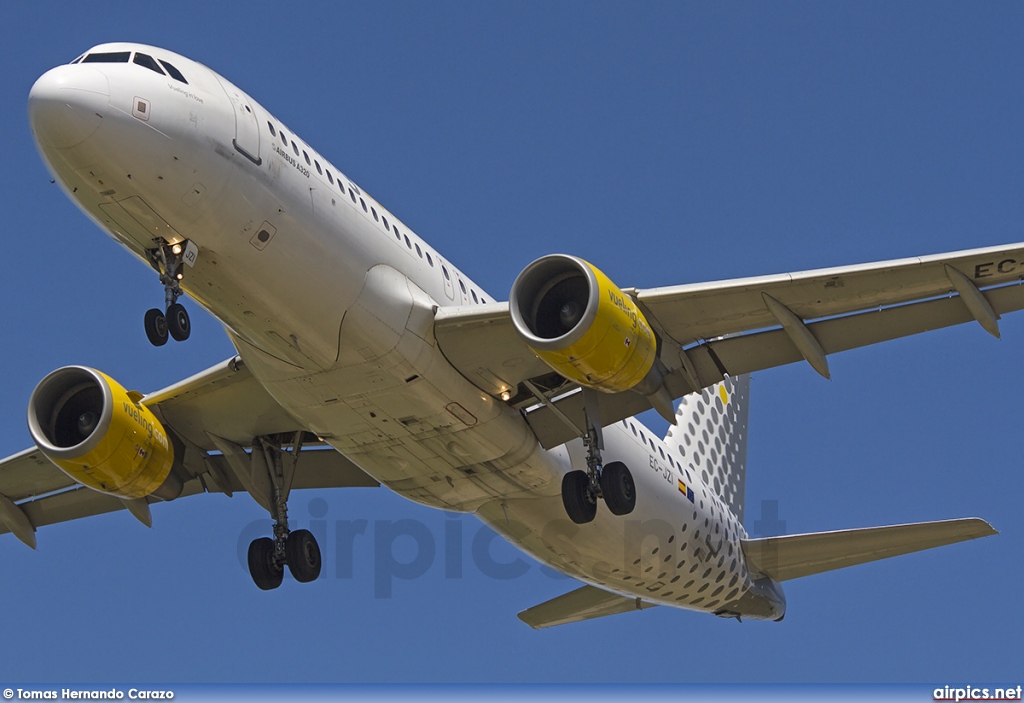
(298, 550)
(613, 482)
(173, 319)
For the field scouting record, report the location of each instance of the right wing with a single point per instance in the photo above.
(224, 403)
(711, 330)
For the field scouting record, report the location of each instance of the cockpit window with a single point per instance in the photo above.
(108, 57)
(173, 72)
(147, 61)
(78, 59)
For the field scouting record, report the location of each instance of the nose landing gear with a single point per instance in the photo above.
(173, 321)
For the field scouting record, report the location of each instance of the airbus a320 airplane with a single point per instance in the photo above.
(366, 358)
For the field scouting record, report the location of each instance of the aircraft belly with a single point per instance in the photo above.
(661, 552)
(395, 406)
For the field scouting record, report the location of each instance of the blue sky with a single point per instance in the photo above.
(664, 142)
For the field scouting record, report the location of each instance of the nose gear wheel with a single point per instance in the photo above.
(173, 320)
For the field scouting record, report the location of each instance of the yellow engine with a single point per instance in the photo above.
(583, 326)
(101, 436)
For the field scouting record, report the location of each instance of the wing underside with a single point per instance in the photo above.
(222, 407)
(712, 330)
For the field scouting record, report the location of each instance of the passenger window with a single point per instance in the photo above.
(419, 251)
(385, 223)
(295, 148)
(430, 260)
(330, 178)
(273, 132)
(407, 242)
(353, 194)
(284, 139)
(108, 57)
(173, 72)
(462, 286)
(363, 203)
(146, 61)
(308, 162)
(317, 164)
(483, 300)
(444, 270)
(475, 300)
(375, 218)
(398, 235)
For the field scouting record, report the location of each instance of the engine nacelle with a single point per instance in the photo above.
(583, 326)
(101, 436)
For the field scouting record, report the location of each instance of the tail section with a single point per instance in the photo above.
(710, 437)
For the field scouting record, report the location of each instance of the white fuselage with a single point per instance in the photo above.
(330, 301)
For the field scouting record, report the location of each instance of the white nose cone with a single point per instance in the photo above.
(67, 104)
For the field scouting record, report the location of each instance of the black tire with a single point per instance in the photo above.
(265, 572)
(178, 323)
(156, 327)
(303, 556)
(618, 488)
(579, 501)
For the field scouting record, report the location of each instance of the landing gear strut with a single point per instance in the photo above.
(173, 320)
(614, 483)
(297, 550)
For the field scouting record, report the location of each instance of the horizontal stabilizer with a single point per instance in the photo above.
(584, 603)
(793, 556)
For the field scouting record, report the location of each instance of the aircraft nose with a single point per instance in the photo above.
(67, 104)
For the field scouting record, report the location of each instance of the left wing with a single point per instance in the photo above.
(223, 403)
(711, 330)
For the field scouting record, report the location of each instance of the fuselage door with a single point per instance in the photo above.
(446, 276)
(247, 129)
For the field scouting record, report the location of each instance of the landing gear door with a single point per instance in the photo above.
(247, 129)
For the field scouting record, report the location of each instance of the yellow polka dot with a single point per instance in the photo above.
(722, 392)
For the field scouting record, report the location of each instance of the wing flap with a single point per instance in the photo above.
(795, 556)
(762, 350)
(707, 310)
(584, 603)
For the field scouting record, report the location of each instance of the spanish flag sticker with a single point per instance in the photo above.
(688, 492)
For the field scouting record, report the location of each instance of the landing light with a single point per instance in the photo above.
(176, 249)
(181, 276)
(506, 396)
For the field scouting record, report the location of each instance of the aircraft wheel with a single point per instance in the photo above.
(156, 327)
(579, 501)
(178, 323)
(265, 571)
(303, 556)
(618, 488)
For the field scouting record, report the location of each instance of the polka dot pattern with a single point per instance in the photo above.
(710, 438)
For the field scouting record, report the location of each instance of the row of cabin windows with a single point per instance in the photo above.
(371, 210)
(141, 59)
